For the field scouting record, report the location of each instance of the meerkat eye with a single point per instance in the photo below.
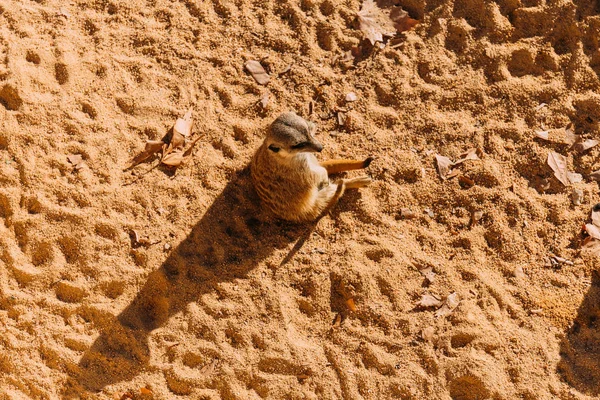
(273, 148)
(300, 145)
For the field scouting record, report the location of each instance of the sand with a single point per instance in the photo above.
(218, 300)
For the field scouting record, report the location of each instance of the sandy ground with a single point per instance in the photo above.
(225, 302)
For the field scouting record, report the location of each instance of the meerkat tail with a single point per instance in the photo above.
(336, 166)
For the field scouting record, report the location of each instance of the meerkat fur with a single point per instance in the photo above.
(288, 177)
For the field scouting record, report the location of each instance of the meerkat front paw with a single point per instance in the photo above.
(359, 182)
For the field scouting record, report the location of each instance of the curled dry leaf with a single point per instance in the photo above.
(585, 145)
(560, 135)
(171, 145)
(444, 165)
(465, 181)
(451, 302)
(173, 159)
(152, 147)
(544, 135)
(429, 300)
(470, 154)
(351, 305)
(428, 274)
(377, 22)
(145, 391)
(257, 71)
(76, 160)
(558, 163)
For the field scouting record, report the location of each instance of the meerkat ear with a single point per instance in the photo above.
(273, 148)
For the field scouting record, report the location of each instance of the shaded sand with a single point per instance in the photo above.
(228, 303)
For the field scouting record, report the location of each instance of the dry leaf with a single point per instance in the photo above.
(152, 147)
(428, 333)
(585, 145)
(574, 177)
(593, 231)
(264, 101)
(208, 368)
(377, 22)
(592, 245)
(173, 159)
(145, 390)
(428, 274)
(258, 72)
(570, 136)
(542, 135)
(337, 322)
(444, 165)
(429, 300)
(451, 302)
(402, 22)
(470, 154)
(351, 305)
(558, 163)
(560, 135)
(76, 160)
(465, 181)
(595, 175)
(596, 218)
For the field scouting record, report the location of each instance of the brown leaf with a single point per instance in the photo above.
(470, 154)
(152, 147)
(377, 22)
(558, 163)
(351, 305)
(570, 136)
(264, 101)
(544, 135)
(592, 245)
(173, 159)
(402, 22)
(337, 322)
(208, 368)
(593, 231)
(585, 145)
(145, 391)
(596, 218)
(183, 125)
(76, 160)
(429, 300)
(595, 175)
(465, 181)
(444, 165)
(341, 118)
(258, 72)
(560, 135)
(428, 274)
(451, 302)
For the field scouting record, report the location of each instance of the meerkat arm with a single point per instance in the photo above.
(336, 166)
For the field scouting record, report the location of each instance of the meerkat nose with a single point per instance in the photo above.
(318, 147)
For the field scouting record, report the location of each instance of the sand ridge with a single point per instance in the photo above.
(238, 305)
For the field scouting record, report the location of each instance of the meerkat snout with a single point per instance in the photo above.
(290, 180)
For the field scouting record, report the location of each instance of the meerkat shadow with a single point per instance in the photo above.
(580, 348)
(232, 238)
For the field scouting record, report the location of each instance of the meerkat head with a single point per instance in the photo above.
(290, 134)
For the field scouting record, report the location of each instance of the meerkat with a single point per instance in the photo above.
(290, 180)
